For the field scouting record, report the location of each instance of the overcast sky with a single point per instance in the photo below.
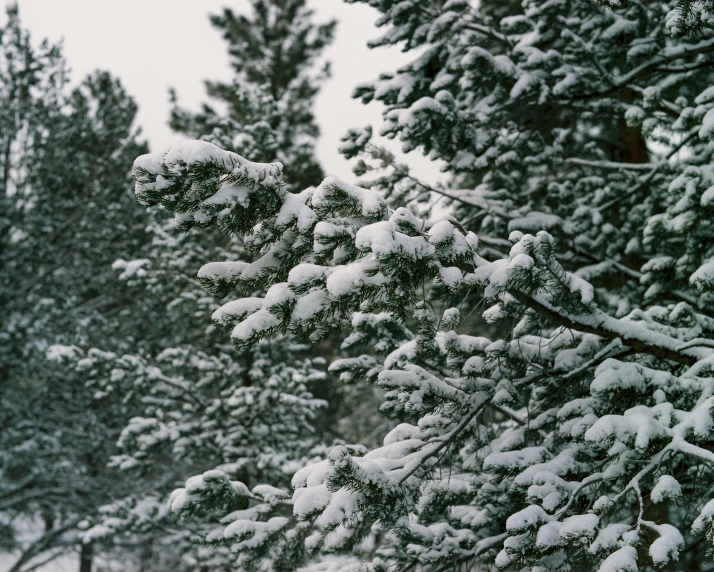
(152, 45)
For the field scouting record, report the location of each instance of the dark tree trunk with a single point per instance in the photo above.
(145, 559)
(632, 148)
(85, 558)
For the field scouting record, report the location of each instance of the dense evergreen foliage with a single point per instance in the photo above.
(537, 333)
(67, 212)
(568, 427)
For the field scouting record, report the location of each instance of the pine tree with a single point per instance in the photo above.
(67, 211)
(568, 428)
(273, 54)
(254, 417)
(195, 415)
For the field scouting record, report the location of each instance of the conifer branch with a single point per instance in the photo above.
(639, 339)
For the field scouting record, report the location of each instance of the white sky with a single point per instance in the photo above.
(152, 45)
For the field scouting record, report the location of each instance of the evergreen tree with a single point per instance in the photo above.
(269, 104)
(67, 211)
(255, 417)
(571, 426)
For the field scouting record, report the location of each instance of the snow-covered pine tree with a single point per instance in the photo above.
(200, 411)
(268, 108)
(195, 405)
(67, 212)
(577, 432)
(253, 417)
(569, 475)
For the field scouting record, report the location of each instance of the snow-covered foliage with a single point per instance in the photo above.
(196, 413)
(572, 424)
(196, 404)
(254, 429)
(561, 116)
(515, 447)
(594, 125)
(66, 212)
(684, 18)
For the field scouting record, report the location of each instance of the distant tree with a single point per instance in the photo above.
(267, 111)
(66, 213)
(254, 417)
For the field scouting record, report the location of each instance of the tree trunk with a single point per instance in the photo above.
(85, 558)
(145, 558)
(632, 148)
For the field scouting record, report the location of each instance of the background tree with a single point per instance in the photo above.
(67, 213)
(269, 104)
(257, 416)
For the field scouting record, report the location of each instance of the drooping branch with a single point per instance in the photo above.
(639, 339)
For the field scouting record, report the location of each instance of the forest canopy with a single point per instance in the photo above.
(246, 363)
